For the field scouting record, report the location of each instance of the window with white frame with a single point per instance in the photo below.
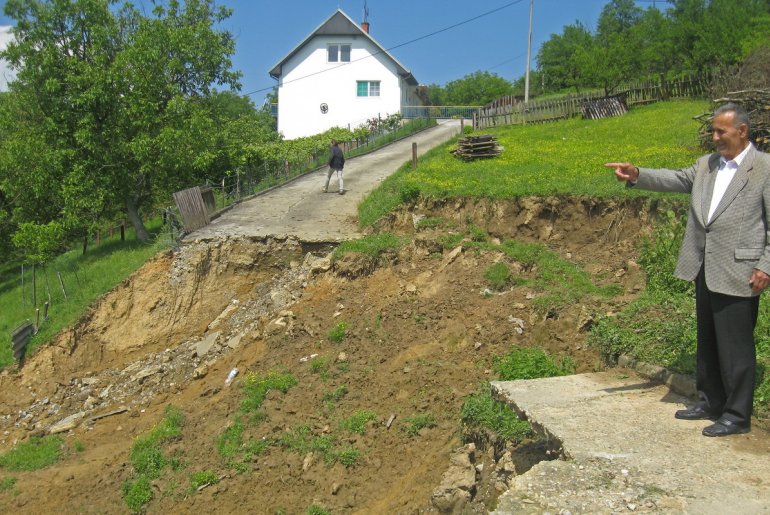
(368, 88)
(338, 53)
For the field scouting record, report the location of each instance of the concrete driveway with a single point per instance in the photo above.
(300, 208)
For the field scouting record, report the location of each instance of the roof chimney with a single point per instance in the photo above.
(365, 26)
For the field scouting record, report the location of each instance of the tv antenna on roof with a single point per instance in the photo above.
(366, 12)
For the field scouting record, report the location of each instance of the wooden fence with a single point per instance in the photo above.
(512, 110)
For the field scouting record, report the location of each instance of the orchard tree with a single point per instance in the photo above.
(112, 104)
(478, 88)
(562, 61)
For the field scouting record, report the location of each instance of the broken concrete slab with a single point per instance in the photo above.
(622, 449)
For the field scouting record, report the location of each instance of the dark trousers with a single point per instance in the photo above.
(726, 356)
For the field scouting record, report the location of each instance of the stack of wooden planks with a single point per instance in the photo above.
(757, 103)
(477, 147)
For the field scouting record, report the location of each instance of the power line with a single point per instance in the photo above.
(420, 38)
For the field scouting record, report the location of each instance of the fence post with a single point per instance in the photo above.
(223, 192)
(414, 155)
(123, 230)
(23, 297)
(34, 285)
(61, 282)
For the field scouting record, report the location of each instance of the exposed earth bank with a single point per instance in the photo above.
(422, 332)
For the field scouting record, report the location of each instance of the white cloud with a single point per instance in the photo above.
(5, 72)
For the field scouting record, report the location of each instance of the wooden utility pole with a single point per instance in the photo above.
(529, 53)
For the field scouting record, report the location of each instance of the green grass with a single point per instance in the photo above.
(561, 158)
(85, 277)
(149, 460)
(498, 276)
(414, 424)
(530, 363)
(372, 245)
(8, 484)
(486, 419)
(562, 282)
(33, 454)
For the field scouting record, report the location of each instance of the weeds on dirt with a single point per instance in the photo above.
(149, 460)
(230, 443)
(416, 423)
(317, 510)
(301, 440)
(203, 477)
(562, 281)
(357, 422)
(337, 333)
(33, 454)
(330, 399)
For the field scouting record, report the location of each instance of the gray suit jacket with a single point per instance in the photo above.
(737, 238)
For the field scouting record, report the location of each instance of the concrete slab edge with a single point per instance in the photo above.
(678, 383)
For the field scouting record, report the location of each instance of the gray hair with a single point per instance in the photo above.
(741, 116)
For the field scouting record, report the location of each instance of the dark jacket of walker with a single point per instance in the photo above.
(336, 160)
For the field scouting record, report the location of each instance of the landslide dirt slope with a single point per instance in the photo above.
(421, 336)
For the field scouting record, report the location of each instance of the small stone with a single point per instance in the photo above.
(200, 372)
(631, 506)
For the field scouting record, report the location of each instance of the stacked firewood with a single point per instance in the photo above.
(757, 103)
(477, 147)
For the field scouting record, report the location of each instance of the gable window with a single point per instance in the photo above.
(338, 53)
(368, 88)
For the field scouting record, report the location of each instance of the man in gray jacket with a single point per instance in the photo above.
(726, 252)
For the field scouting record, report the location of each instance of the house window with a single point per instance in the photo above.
(370, 88)
(338, 53)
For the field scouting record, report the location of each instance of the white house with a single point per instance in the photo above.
(339, 76)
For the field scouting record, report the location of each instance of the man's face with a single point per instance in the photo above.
(729, 139)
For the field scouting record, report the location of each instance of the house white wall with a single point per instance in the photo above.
(302, 90)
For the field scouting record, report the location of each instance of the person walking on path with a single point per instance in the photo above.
(726, 252)
(336, 164)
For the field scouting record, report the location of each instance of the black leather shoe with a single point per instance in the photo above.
(696, 413)
(724, 427)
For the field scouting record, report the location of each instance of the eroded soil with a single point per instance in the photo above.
(421, 336)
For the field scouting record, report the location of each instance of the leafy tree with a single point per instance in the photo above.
(436, 95)
(562, 59)
(478, 88)
(114, 102)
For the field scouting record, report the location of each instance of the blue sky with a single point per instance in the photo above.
(266, 30)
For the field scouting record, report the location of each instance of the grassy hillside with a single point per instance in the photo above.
(562, 158)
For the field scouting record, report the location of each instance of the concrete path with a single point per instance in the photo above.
(300, 209)
(625, 452)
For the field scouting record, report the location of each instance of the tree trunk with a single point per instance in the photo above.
(133, 216)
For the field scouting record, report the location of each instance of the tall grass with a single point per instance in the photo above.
(85, 278)
(561, 158)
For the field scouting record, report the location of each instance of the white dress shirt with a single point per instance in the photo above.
(725, 175)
